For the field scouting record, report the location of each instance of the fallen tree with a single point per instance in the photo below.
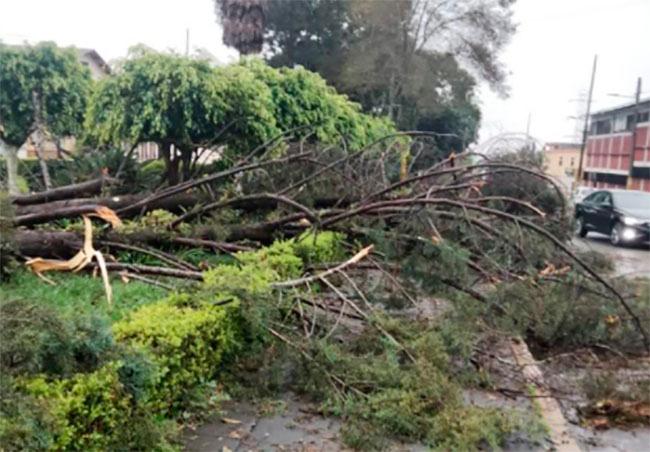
(71, 208)
(91, 187)
(366, 275)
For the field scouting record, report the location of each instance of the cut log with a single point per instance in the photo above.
(54, 245)
(64, 245)
(91, 187)
(72, 208)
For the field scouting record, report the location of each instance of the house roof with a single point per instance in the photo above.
(92, 54)
(552, 145)
(643, 103)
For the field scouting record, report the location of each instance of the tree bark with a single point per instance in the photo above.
(47, 244)
(11, 157)
(38, 142)
(91, 187)
(168, 151)
(65, 244)
(71, 208)
(186, 156)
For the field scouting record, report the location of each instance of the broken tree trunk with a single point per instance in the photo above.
(64, 244)
(54, 244)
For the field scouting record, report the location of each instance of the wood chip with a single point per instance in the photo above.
(227, 420)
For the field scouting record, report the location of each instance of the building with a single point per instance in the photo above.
(561, 161)
(94, 62)
(611, 160)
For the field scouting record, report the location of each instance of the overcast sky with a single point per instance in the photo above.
(549, 59)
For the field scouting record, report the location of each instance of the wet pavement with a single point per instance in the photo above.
(298, 428)
(293, 426)
(633, 261)
(296, 425)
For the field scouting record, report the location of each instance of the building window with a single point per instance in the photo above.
(572, 161)
(560, 162)
(602, 127)
(622, 122)
(643, 117)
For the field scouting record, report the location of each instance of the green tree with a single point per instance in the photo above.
(181, 104)
(413, 60)
(40, 87)
(303, 100)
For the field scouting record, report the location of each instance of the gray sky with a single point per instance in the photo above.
(550, 61)
(549, 58)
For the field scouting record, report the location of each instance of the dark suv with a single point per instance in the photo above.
(624, 215)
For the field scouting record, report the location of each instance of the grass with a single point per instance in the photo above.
(79, 293)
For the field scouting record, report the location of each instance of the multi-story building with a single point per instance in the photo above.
(617, 152)
(561, 162)
(561, 159)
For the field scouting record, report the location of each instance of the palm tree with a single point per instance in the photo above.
(243, 24)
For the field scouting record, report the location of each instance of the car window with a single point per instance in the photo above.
(606, 199)
(593, 198)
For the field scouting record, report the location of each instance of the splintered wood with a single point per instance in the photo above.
(85, 255)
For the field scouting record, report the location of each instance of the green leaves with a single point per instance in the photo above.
(168, 98)
(302, 99)
(55, 76)
(156, 97)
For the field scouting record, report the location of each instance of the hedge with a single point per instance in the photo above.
(186, 346)
(164, 352)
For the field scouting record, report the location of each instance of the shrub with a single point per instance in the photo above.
(322, 247)
(278, 258)
(87, 410)
(24, 425)
(185, 344)
(36, 339)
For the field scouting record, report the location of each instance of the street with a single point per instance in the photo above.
(629, 261)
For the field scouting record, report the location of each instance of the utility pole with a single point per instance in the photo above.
(585, 129)
(635, 117)
(529, 141)
(187, 42)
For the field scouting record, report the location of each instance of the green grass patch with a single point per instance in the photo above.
(80, 293)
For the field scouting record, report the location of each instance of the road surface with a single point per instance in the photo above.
(629, 261)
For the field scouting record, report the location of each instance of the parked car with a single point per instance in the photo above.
(624, 215)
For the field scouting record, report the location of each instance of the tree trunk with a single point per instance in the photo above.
(11, 157)
(91, 187)
(168, 152)
(73, 208)
(186, 156)
(38, 142)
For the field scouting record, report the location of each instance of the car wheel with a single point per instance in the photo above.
(615, 235)
(580, 229)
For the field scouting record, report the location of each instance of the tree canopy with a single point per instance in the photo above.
(156, 97)
(41, 87)
(184, 102)
(416, 61)
(243, 24)
(55, 76)
(303, 99)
